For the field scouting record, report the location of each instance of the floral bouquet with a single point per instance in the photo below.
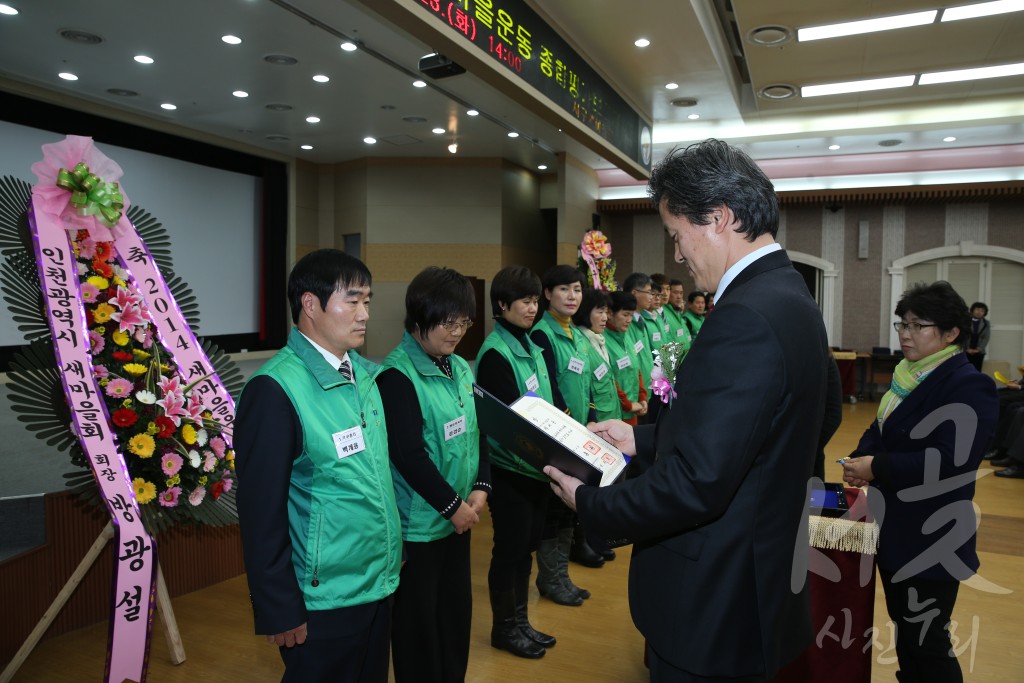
(667, 359)
(594, 259)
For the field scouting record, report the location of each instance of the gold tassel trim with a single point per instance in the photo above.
(833, 533)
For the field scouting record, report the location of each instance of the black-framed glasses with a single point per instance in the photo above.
(913, 328)
(644, 291)
(457, 325)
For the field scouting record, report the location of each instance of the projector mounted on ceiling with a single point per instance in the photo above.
(436, 65)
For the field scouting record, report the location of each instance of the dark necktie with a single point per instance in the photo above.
(346, 370)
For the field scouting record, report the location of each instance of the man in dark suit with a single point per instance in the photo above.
(717, 581)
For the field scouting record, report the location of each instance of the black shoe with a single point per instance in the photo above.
(582, 553)
(505, 631)
(549, 580)
(994, 453)
(1002, 462)
(608, 555)
(522, 590)
(1011, 472)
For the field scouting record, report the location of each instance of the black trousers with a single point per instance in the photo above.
(518, 507)
(346, 644)
(921, 609)
(433, 611)
(664, 672)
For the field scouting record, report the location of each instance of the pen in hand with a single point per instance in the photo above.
(841, 461)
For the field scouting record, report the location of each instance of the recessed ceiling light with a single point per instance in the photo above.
(419, 84)
(8, 10)
(348, 46)
(320, 78)
(982, 9)
(693, 117)
(641, 42)
(143, 59)
(857, 86)
(231, 40)
(370, 141)
(240, 93)
(438, 131)
(312, 119)
(472, 112)
(833, 147)
(542, 167)
(513, 134)
(852, 28)
(671, 86)
(168, 106)
(777, 91)
(770, 36)
(453, 148)
(972, 74)
(305, 146)
(949, 138)
(68, 76)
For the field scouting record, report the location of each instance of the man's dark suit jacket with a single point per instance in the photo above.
(716, 519)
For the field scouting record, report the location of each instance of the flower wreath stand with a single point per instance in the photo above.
(114, 375)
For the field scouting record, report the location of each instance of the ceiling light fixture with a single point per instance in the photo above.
(349, 46)
(240, 93)
(833, 147)
(949, 138)
(320, 78)
(143, 59)
(80, 37)
(684, 102)
(8, 10)
(641, 42)
(777, 91)
(370, 141)
(453, 148)
(280, 60)
(852, 28)
(542, 167)
(982, 9)
(472, 112)
(231, 40)
(168, 106)
(513, 134)
(693, 117)
(419, 84)
(856, 86)
(68, 76)
(770, 36)
(972, 74)
(305, 146)
(438, 131)
(671, 86)
(312, 119)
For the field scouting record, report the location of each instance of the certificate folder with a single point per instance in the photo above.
(541, 434)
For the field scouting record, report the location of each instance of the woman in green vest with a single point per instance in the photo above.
(624, 357)
(592, 320)
(508, 366)
(567, 354)
(441, 481)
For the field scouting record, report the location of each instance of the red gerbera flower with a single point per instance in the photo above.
(123, 356)
(102, 267)
(216, 489)
(103, 251)
(125, 417)
(166, 426)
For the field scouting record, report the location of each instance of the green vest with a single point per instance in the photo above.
(603, 393)
(640, 342)
(343, 520)
(693, 321)
(531, 374)
(448, 407)
(656, 328)
(678, 331)
(625, 365)
(572, 369)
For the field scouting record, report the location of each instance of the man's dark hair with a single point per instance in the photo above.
(940, 304)
(978, 304)
(659, 280)
(592, 298)
(675, 283)
(692, 296)
(324, 272)
(622, 301)
(696, 180)
(435, 296)
(512, 283)
(636, 281)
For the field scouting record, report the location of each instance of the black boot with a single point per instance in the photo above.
(582, 553)
(564, 548)
(549, 582)
(523, 619)
(505, 632)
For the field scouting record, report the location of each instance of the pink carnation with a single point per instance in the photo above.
(209, 461)
(169, 498)
(227, 481)
(219, 446)
(196, 497)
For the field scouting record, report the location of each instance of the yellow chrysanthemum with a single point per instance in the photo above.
(101, 313)
(120, 338)
(188, 433)
(202, 480)
(151, 428)
(140, 354)
(104, 381)
(174, 481)
(98, 281)
(144, 490)
(142, 445)
(135, 369)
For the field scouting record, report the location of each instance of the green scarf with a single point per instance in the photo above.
(907, 376)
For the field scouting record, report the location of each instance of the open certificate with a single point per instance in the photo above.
(542, 434)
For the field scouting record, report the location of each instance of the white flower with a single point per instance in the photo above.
(147, 397)
(82, 268)
(194, 458)
(201, 437)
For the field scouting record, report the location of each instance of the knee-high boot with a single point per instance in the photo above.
(522, 617)
(505, 631)
(549, 580)
(565, 541)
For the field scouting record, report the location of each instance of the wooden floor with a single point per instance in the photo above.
(596, 642)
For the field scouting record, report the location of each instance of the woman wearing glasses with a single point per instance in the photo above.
(441, 476)
(920, 457)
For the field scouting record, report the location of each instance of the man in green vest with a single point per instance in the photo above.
(321, 534)
(673, 311)
(694, 315)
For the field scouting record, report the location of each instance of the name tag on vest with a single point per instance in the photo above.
(680, 332)
(638, 347)
(349, 442)
(602, 370)
(454, 428)
(656, 336)
(623, 362)
(531, 383)
(576, 365)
